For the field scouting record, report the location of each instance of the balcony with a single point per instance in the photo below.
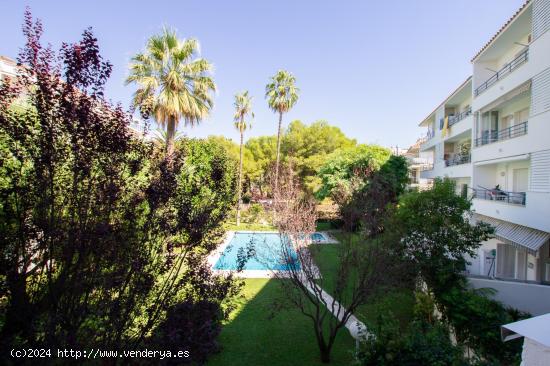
(458, 159)
(459, 117)
(490, 136)
(497, 194)
(426, 167)
(503, 72)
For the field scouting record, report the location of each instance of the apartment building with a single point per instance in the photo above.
(8, 68)
(418, 162)
(492, 137)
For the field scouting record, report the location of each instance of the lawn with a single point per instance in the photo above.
(251, 337)
(249, 227)
(398, 302)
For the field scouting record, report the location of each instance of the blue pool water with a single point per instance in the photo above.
(317, 237)
(266, 250)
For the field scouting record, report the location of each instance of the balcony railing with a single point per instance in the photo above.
(488, 137)
(459, 117)
(496, 194)
(458, 159)
(507, 69)
(430, 134)
(425, 167)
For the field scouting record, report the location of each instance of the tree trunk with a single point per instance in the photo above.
(324, 349)
(239, 188)
(278, 151)
(170, 133)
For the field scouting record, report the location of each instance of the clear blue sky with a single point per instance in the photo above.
(373, 68)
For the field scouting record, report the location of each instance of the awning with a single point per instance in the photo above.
(517, 235)
(534, 328)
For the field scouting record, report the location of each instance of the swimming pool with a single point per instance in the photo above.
(265, 249)
(318, 237)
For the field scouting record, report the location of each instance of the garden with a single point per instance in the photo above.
(106, 232)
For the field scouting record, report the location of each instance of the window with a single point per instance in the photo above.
(521, 116)
(506, 261)
(521, 179)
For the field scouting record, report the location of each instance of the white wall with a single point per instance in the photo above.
(532, 298)
(534, 353)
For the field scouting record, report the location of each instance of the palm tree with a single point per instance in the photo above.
(160, 137)
(281, 94)
(173, 83)
(243, 107)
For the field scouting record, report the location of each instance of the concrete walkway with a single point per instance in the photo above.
(356, 328)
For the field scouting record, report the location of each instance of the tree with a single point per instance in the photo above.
(100, 237)
(262, 151)
(306, 147)
(362, 269)
(373, 193)
(282, 94)
(435, 229)
(342, 167)
(173, 83)
(243, 108)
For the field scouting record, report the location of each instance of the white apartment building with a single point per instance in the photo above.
(8, 68)
(492, 137)
(418, 162)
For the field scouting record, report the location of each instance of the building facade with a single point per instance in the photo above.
(492, 137)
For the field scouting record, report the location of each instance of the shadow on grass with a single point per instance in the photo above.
(251, 337)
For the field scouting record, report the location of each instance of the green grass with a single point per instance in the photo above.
(325, 225)
(398, 302)
(250, 337)
(250, 227)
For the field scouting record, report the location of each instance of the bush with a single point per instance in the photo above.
(421, 344)
(99, 234)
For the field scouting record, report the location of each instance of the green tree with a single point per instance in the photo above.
(338, 173)
(306, 148)
(281, 94)
(243, 108)
(262, 151)
(437, 235)
(173, 83)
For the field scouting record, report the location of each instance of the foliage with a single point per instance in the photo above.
(307, 146)
(435, 229)
(422, 344)
(360, 272)
(195, 323)
(341, 167)
(256, 335)
(376, 193)
(173, 83)
(99, 235)
(243, 108)
(260, 153)
(281, 94)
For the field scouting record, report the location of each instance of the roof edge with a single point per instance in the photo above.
(502, 29)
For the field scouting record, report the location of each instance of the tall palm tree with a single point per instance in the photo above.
(281, 94)
(243, 108)
(174, 84)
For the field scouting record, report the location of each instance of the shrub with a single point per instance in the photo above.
(421, 344)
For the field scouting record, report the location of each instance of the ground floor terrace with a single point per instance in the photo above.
(515, 263)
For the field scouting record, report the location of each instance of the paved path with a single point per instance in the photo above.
(356, 328)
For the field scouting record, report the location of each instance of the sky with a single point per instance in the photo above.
(373, 68)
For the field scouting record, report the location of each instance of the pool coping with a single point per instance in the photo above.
(246, 273)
